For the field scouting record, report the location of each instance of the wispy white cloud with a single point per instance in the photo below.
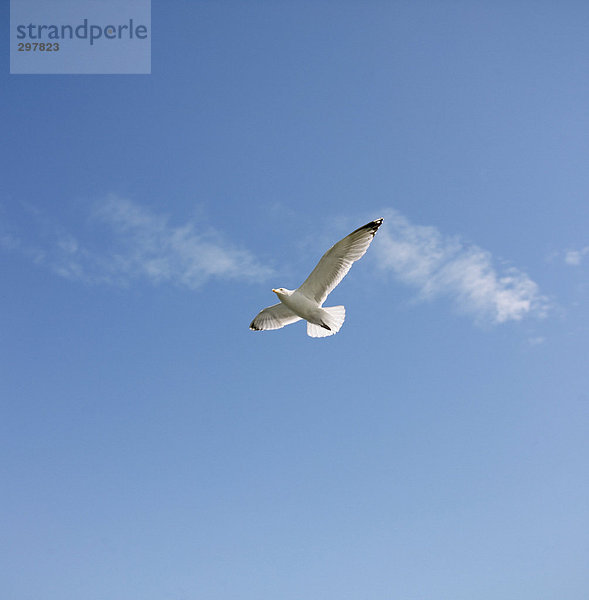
(134, 243)
(123, 241)
(575, 257)
(439, 265)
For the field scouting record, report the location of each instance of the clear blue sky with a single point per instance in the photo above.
(153, 447)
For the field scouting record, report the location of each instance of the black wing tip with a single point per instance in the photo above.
(372, 226)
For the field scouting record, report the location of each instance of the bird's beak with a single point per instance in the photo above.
(273, 290)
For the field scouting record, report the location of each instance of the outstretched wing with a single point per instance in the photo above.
(337, 261)
(274, 317)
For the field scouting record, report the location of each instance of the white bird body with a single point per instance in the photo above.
(310, 310)
(299, 303)
(306, 302)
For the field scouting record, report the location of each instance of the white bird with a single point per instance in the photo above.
(306, 301)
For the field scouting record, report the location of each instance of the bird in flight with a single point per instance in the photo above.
(306, 302)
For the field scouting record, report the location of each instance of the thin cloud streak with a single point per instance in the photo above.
(137, 243)
(575, 257)
(439, 266)
(127, 242)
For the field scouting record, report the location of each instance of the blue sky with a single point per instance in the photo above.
(153, 447)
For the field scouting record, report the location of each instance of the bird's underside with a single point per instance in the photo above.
(306, 302)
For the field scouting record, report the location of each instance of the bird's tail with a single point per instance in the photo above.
(332, 319)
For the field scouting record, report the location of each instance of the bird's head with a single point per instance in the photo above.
(282, 292)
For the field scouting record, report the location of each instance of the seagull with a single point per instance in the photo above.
(306, 302)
